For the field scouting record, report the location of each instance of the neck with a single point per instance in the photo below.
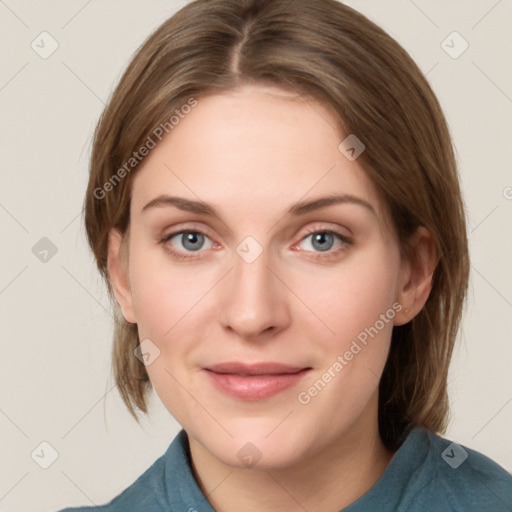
(327, 481)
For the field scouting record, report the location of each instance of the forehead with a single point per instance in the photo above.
(256, 146)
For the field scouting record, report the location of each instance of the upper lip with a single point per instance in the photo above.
(264, 368)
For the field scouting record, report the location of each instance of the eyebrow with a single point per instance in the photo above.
(297, 209)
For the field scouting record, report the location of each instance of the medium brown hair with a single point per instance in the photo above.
(330, 53)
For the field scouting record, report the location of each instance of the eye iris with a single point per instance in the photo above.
(321, 237)
(191, 237)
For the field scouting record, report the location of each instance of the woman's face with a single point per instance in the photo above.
(265, 334)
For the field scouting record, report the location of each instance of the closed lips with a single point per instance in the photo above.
(258, 369)
(253, 382)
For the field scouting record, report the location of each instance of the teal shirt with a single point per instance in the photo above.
(427, 473)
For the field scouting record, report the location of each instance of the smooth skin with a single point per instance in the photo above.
(251, 153)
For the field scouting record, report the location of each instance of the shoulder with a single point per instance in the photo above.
(462, 479)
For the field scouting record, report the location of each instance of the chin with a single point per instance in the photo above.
(259, 445)
(258, 457)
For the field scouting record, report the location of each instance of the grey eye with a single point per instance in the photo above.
(192, 240)
(322, 241)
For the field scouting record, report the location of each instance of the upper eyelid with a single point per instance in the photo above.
(319, 225)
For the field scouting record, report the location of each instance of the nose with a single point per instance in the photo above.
(254, 299)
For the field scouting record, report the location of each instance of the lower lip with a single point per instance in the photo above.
(255, 387)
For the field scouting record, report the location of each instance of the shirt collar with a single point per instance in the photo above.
(183, 491)
(405, 468)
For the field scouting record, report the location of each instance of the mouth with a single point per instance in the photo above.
(251, 382)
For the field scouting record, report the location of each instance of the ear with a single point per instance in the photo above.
(415, 283)
(118, 272)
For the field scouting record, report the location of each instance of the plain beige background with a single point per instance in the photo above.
(56, 319)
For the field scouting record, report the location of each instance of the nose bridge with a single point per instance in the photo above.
(252, 302)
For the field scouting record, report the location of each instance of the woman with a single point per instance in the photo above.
(275, 207)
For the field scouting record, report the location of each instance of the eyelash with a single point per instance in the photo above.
(345, 242)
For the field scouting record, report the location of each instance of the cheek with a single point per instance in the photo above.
(352, 298)
(155, 306)
(164, 294)
(357, 304)
(164, 300)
